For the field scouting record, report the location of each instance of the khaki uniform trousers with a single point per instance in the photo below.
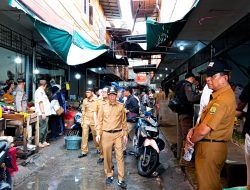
(101, 148)
(108, 141)
(209, 160)
(85, 137)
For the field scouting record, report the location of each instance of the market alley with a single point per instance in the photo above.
(54, 167)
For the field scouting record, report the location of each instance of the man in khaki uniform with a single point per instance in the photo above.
(103, 99)
(89, 120)
(113, 129)
(214, 129)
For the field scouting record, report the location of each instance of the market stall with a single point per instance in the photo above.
(20, 121)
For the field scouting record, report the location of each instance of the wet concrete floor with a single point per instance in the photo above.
(64, 171)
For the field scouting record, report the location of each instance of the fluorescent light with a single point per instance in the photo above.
(160, 75)
(99, 68)
(77, 76)
(157, 78)
(36, 71)
(166, 68)
(90, 82)
(18, 60)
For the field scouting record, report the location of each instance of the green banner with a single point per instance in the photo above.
(161, 34)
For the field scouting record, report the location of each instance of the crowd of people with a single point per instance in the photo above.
(110, 116)
(45, 108)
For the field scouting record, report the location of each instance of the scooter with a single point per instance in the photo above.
(76, 127)
(5, 163)
(147, 145)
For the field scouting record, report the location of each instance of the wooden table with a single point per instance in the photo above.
(31, 119)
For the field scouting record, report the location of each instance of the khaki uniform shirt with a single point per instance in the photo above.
(112, 117)
(88, 109)
(219, 114)
(100, 102)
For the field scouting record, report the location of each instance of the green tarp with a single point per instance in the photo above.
(159, 34)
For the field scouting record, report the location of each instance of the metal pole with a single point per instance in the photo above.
(33, 67)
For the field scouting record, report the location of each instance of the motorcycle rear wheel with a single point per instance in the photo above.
(146, 166)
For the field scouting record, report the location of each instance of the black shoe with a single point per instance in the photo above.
(109, 180)
(82, 155)
(122, 184)
(100, 161)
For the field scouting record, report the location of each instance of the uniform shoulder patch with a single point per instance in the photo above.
(213, 110)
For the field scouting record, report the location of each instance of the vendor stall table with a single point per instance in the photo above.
(19, 120)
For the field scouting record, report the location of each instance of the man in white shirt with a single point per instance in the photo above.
(43, 109)
(205, 97)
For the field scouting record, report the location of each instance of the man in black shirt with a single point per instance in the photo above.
(187, 97)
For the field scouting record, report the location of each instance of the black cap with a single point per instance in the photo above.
(217, 66)
(112, 90)
(90, 90)
(189, 74)
(19, 80)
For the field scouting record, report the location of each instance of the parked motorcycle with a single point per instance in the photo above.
(147, 145)
(77, 122)
(5, 165)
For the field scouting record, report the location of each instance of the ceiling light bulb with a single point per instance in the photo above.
(77, 76)
(181, 47)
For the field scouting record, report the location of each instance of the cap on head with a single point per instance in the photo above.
(20, 80)
(217, 66)
(112, 90)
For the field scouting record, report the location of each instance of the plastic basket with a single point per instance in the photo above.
(73, 142)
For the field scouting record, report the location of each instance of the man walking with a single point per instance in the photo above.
(43, 109)
(113, 129)
(214, 129)
(89, 120)
(103, 99)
